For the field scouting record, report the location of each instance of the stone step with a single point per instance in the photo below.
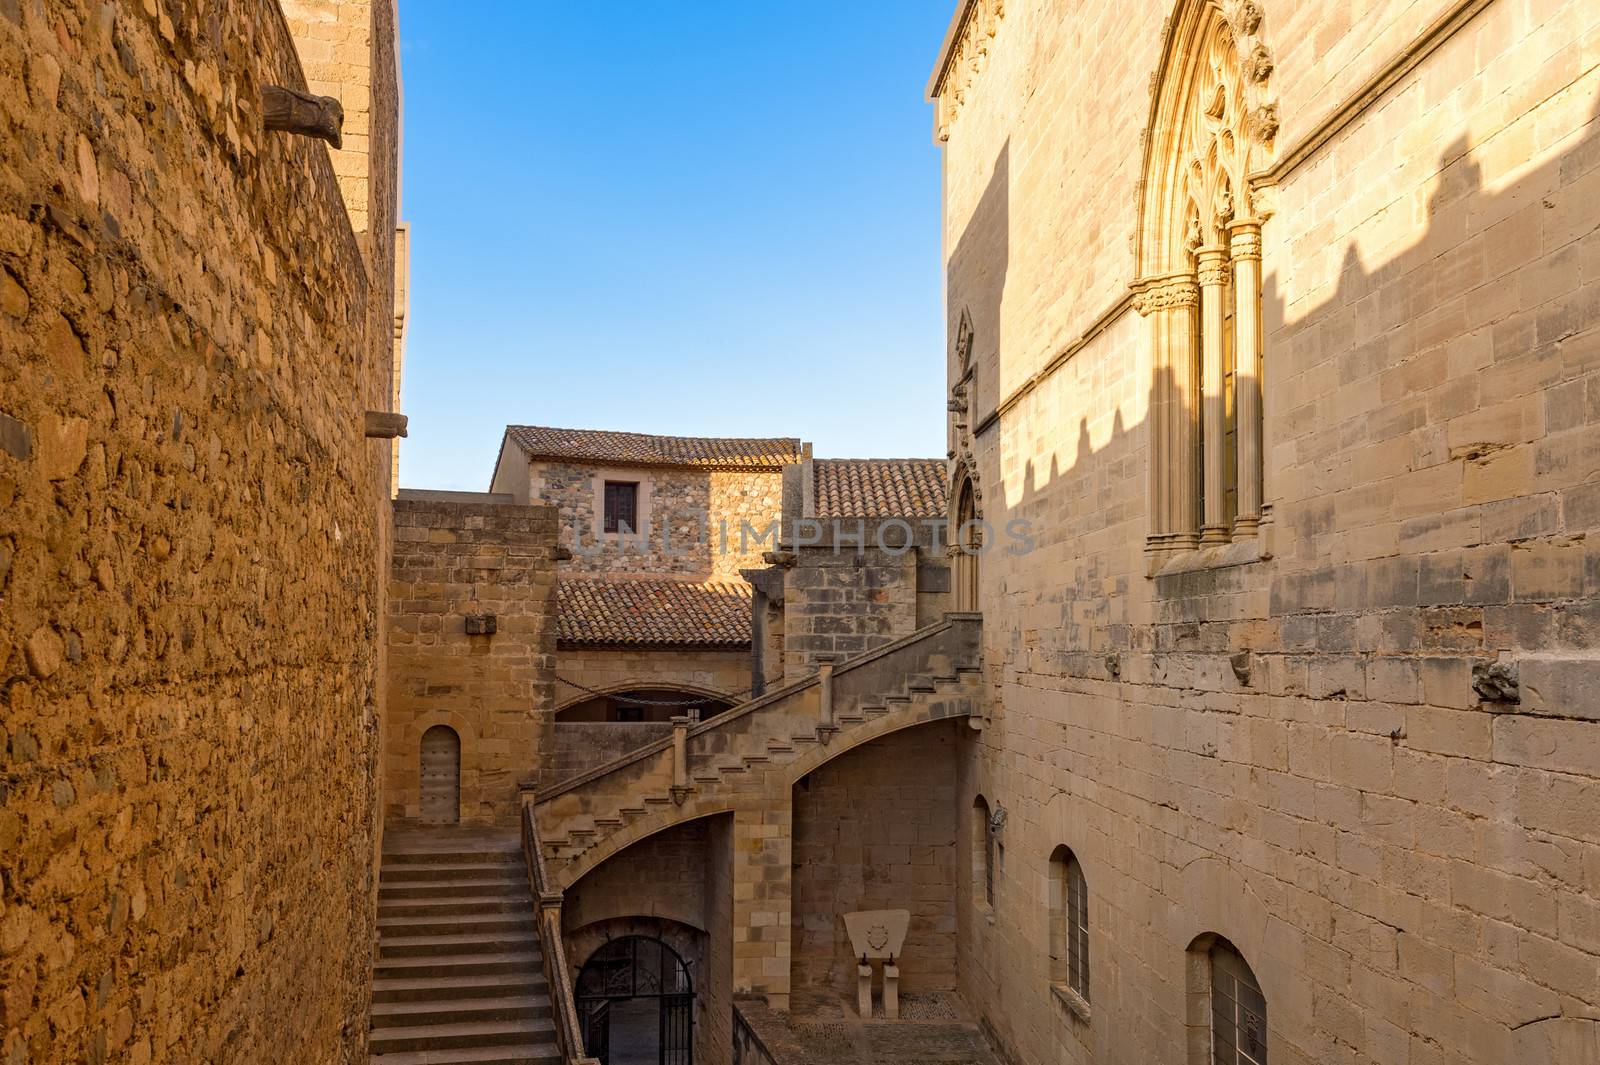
(511, 1054)
(425, 946)
(450, 905)
(452, 856)
(462, 965)
(413, 1014)
(475, 986)
(454, 924)
(467, 1034)
(410, 874)
(509, 887)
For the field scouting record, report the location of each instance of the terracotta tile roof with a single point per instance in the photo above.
(641, 449)
(655, 613)
(880, 488)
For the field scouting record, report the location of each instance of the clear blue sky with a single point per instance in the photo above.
(700, 218)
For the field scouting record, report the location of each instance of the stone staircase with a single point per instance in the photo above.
(764, 745)
(458, 978)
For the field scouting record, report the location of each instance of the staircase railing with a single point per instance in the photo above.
(547, 901)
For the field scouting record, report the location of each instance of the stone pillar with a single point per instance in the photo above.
(680, 758)
(1169, 304)
(1211, 264)
(1246, 247)
(762, 894)
(825, 693)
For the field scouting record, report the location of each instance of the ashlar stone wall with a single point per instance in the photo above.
(875, 829)
(453, 562)
(1317, 755)
(189, 549)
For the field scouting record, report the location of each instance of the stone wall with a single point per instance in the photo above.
(578, 746)
(1293, 752)
(453, 560)
(723, 674)
(691, 521)
(189, 546)
(875, 829)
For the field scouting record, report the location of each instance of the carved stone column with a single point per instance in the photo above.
(1211, 267)
(1245, 243)
(1169, 304)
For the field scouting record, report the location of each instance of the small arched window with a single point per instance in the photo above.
(1069, 924)
(1238, 1009)
(982, 853)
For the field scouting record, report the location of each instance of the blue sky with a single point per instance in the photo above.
(710, 219)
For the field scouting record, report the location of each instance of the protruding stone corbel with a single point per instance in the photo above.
(293, 111)
(384, 425)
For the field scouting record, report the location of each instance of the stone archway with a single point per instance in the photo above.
(635, 1000)
(966, 541)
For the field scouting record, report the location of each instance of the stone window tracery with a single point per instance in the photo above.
(1199, 287)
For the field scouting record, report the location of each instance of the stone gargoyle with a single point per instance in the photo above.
(293, 111)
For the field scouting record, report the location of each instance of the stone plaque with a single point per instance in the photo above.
(877, 933)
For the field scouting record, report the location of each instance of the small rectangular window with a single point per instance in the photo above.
(622, 506)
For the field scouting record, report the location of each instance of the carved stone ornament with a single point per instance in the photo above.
(964, 342)
(877, 933)
(1248, 17)
(293, 111)
(1166, 293)
(969, 54)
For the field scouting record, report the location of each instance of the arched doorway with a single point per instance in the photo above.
(441, 776)
(968, 540)
(636, 1004)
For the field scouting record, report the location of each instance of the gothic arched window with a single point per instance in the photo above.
(1199, 269)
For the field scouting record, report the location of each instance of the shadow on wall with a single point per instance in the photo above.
(1420, 417)
(1433, 348)
(980, 261)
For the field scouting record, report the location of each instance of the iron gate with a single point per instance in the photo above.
(637, 967)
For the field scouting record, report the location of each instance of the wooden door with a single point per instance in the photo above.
(441, 776)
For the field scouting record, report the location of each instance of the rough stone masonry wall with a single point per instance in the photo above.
(1411, 868)
(452, 560)
(694, 519)
(875, 829)
(187, 550)
(843, 603)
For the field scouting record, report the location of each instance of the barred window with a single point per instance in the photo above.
(1238, 1010)
(1069, 924)
(621, 506)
